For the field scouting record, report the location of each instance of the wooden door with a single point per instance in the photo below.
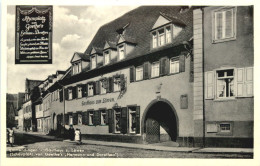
(152, 131)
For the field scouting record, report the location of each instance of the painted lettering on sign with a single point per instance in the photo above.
(33, 34)
(91, 102)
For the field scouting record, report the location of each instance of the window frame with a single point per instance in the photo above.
(70, 93)
(107, 52)
(92, 89)
(225, 132)
(136, 69)
(152, 65)
(214, 28)
(170, 64)
(91, 114)
(102, 119)
(116, 78)
(103, 90)
(130, 120)
(94, 56)
(216, 97)
(80, 117)
(117, 111)
(121, 48)
(79, 87)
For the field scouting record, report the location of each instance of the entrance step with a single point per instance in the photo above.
(168, 144)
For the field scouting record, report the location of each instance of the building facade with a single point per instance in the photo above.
(157, 74)
(223, 41)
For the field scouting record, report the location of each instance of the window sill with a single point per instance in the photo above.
(225, 99)
(215, 41)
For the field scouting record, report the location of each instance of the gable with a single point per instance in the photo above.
(93, 51)
(160, 21)
(121, 39)
(106, 46)
(75, 57)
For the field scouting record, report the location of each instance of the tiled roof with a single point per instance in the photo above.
(83, 56)
(141, 21)
(174, 19)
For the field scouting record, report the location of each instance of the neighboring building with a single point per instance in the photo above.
(31, 95)
(20, 119)
(11, 106)
(50, 103)
(223, 40)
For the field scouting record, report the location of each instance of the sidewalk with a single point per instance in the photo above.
(152, 147)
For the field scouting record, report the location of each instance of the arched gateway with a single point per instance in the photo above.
(160, 122)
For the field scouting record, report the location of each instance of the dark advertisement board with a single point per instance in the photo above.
(33, 35)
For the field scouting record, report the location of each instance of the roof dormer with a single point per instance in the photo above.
(96, 57)
(165, 29)
(125, 45)
(109, 52)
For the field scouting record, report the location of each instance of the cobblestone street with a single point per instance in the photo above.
(34, 147)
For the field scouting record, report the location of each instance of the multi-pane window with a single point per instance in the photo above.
(91, 117)
(161, 37)
(139, 73)
(103, 89)
(79, 89)
(224, 23)
(103, 117)
(116, 84)
(93, 62)
(224, 127)
(154, 40)
(117, 121)
(106, 56)
(132, 119)
(225, 83)
(121, 52)
(168, 35)
(90, 89)
(76, 68)
(70, 94)
(155, 69)
(174, 65)
(79, 119)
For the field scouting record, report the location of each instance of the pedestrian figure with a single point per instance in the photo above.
(7, 136)
(78, 136)
(71, 133)
(11, 136)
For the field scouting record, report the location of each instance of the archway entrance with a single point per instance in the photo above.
(160, 123)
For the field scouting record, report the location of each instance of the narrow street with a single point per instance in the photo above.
(28, 146)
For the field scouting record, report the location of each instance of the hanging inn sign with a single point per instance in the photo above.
(33, 35)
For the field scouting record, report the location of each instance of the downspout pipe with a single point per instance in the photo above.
(203, 81)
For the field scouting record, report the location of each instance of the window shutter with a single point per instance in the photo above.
(111, 84)
(74, 90)
(61, 95)
(107, 85)
(85, 118)
(209, 85)
(122, 82)
(228, 23)
(67, 119)
(240, 82)
(249, 81)
(84, 90)
(182, 63)
(111, 121)
(123, 120)
(97, 84)
(138, 120)
(146, 70)
(75, 118)
(162, 66)
(107, 114)
(132, 74)
(66, 94)
(96, 118)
